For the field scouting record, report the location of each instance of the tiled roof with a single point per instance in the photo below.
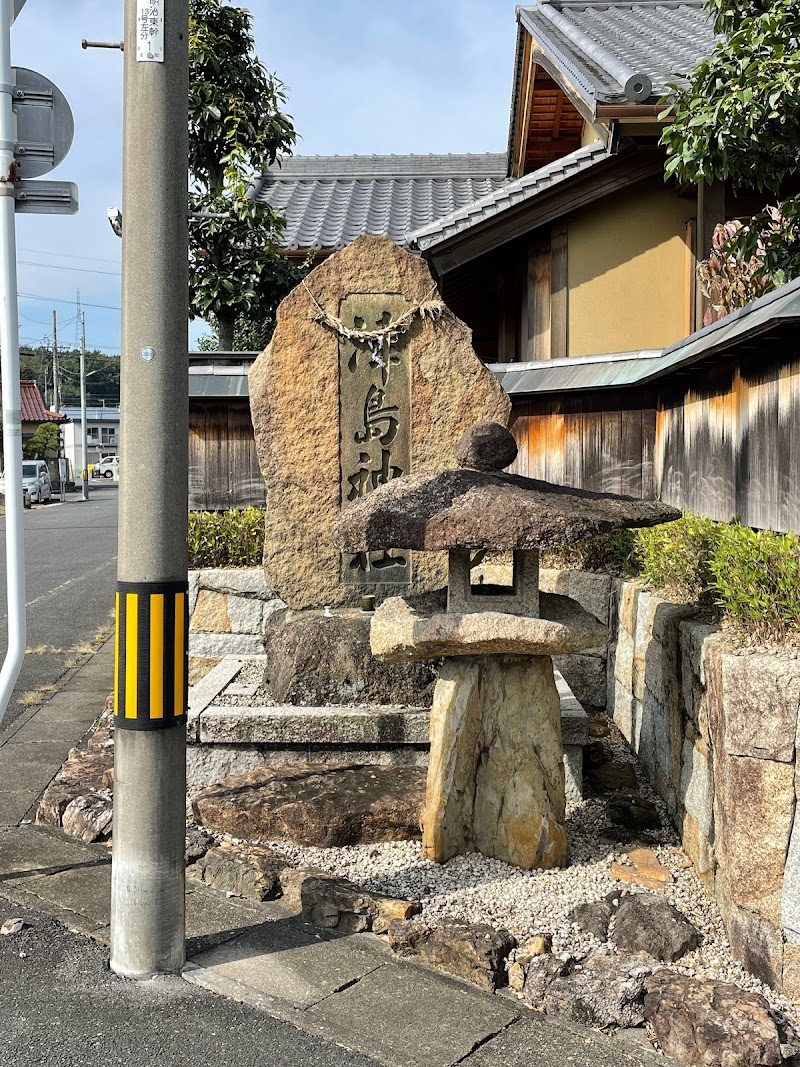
(32, 405)
(509, 195)
(329, 201)
(600, 46)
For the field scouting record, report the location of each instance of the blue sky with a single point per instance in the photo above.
(362, 76)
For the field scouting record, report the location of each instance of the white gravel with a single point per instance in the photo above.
(473, 888)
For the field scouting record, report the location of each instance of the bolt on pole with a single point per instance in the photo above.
(147, 890)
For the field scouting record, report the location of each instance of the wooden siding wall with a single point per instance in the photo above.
(721, 440)
(728, 443)
(223, 465)
(599, 441)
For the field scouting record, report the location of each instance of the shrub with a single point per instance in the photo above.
(612, 553)
(232, 538)
(676, 557)
(756, 580)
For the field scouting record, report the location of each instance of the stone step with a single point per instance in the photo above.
(289, 725)
(375, 724)
(224, 741)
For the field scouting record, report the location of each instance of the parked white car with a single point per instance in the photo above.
(107, 468)
(35, 481)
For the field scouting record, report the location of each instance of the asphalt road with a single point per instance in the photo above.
(60, 1006)
(70, 573)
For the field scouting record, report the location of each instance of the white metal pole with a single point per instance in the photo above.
(9, 365)
(84, 431)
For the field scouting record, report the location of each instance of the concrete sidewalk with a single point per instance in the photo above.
(352, 990)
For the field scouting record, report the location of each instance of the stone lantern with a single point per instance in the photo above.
(496, 776)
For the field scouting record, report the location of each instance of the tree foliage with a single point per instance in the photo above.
(102, 375)
(236, 130)
(44, 443)
(738, 119)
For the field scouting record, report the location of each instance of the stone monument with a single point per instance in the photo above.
(369, 377)
(496, 777)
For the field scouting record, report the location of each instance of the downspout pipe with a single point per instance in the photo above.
(9, 363)
(636, 85)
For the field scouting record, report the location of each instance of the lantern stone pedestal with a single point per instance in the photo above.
(496, 772)
(496, 776)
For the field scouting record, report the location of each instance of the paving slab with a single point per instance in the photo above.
(82, 893)
(283, 960)
(537, 1039)
(31, 849)
(42, 729)
(406, 1016)
(15, 805)
(29, 768)
(213, 918)
(69, 705)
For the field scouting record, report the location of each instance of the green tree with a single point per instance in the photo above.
(102, 375)
(236, 130)
(738, 119)
(45, 442)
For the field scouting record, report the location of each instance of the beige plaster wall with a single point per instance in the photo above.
(589, 134)
(628, 271)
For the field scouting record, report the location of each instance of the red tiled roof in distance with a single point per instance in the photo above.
(32, 405)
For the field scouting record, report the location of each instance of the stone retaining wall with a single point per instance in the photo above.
(585, 672)
(716, 731)
(229, 610)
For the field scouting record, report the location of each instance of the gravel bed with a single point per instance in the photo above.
(473, 888)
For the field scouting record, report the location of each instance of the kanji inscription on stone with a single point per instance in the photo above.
(374, 423)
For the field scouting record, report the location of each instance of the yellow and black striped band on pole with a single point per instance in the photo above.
(151, 686)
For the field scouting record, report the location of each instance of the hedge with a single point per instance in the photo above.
(752, 577)
(232, 538)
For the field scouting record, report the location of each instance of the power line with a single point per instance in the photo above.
(58, 266)
(61, 300)
(68, 255)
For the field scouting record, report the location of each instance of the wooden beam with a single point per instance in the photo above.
(506, 317)
(557, 117)
(525, 105)
(559, 293)
(536, 308)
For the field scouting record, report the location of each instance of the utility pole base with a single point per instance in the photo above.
(147, 874)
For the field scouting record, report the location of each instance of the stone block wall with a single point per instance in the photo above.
(716, 731)
(585, 672)
(228, 610)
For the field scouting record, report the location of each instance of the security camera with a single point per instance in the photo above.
(115, 220)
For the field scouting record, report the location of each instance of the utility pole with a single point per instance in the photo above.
(84, 431)
(56, 390)
(151, 694)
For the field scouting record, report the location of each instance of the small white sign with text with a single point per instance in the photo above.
(150, 31)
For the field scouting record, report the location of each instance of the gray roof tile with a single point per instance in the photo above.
(588, 40)
(508, 195)
(328, 201)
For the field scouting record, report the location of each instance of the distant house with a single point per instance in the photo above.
(102, 432)
(33, 410)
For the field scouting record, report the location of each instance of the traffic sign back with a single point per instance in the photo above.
(45, 126)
